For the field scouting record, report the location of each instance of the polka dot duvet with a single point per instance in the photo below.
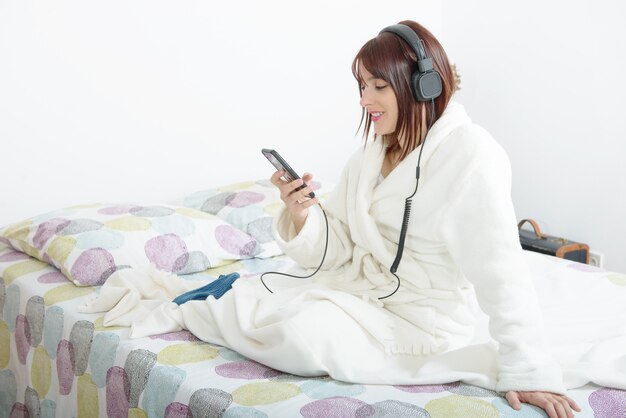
(57, 362)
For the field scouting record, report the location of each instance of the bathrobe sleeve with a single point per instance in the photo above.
(307, 247)
(479, 229)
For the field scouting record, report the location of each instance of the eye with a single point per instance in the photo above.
(381, 87)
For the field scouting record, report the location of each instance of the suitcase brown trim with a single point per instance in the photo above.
(573, 247)
(533, 224)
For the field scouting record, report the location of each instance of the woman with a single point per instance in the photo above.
(461, 242)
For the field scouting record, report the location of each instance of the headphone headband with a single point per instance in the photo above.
(410, 37)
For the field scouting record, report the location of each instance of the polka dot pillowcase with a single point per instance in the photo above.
(248, 206)
(89, 243)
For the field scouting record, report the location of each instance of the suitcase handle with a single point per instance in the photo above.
(534, 225)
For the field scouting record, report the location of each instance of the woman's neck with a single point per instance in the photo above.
(399, 148)
(390, 162)
(393, 154)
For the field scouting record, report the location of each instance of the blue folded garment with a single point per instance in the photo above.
(217, 288)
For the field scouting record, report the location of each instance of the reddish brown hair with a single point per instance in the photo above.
(390, 58)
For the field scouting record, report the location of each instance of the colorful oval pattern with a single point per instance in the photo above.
(191, 352)
(337, 407)
(236, 242)
(263, 393)
(93, 267)
(41, 371)
(458, 405)
(5, 345)
(246, 370)
(168, 252)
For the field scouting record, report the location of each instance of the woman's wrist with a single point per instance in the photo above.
(299, 220)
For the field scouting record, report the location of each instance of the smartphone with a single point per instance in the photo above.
(280, 164)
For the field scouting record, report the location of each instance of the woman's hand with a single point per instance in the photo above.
(297, 202)
(556, 406)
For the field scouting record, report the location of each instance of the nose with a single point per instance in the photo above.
(366, 99)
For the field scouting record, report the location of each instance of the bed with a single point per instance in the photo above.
(58, 362)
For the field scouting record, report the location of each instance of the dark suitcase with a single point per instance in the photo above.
(546, 244)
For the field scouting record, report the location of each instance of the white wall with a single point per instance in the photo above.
(148, 101)
(546, 78)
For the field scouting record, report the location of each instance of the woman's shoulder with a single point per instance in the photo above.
(471, 141)
(371, 149)
(465, 149)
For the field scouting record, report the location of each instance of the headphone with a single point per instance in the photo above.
(426, 81)
(426, 85)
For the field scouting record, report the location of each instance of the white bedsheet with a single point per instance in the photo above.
(309, 329)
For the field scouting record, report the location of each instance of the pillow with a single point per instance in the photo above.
(249, 206)
(89, 243)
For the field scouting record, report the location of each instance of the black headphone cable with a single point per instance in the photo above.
(318, 267)
(403, 230)
(407, 206)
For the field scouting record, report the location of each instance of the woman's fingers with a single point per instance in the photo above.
(298, 196)
(295, 197)
(287, 187)
(549, 408)
(513, 398)
(276, 178)
(573, 404)
(555, 406)
(308, 203)
(293, 186)
(563, 410)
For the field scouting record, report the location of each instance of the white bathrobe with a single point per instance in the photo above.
(462, 244)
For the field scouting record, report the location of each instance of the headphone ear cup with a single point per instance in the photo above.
(426, 86)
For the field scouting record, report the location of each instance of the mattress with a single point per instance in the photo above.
(57, 362)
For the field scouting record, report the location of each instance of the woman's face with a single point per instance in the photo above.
(379, 100)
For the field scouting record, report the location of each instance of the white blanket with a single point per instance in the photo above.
(308, 329)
